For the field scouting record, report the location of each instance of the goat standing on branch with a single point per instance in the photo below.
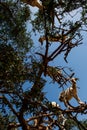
(61, 118)
(58, 38)
(70, 93)
(34, 3)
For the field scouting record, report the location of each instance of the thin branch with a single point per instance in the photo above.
(42, 115)
(10, 106)
(57, 51)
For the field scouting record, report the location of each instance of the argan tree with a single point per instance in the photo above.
(25, 66)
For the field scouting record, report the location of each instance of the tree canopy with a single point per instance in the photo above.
(25, 66)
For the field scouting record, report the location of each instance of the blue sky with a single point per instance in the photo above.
(77, 60)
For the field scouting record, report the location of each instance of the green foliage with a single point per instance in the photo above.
(72, 125)
(38, 22)
(13, 26)
(11, 67)
(69, 5)
(3, 122)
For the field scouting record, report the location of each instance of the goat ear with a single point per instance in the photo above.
(76, 79)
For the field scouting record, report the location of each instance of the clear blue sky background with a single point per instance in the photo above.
(77, 60)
